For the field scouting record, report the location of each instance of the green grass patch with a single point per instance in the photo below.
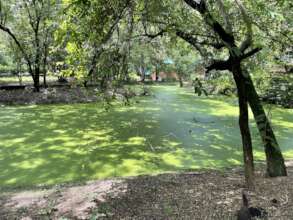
(4, 80)
(174, 130)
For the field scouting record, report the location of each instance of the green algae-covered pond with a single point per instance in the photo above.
(172, 130)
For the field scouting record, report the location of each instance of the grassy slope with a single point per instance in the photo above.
(174, 130)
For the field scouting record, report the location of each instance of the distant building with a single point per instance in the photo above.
(164, 76)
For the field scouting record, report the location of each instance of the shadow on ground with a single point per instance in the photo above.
(170, 131)
(184, 195)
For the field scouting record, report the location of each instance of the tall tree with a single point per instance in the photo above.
(89, 30)
(223, 33)
(27, 23)
(246, 89)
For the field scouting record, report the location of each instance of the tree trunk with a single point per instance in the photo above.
(85, 83)
(180, 82)
(157, 74)
(275, 161)
(45, 80)
(274, 158)
(19, 72)
(143, 76)
(36, 78)
(45, 64)
(244, 126)
(20, 78)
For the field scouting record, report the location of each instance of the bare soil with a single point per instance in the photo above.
(186, 195)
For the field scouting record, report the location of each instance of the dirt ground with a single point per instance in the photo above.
(185, 195)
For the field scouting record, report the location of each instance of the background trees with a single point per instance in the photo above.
(184, 60)
(30, 25)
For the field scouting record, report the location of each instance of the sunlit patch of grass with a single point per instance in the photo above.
(170, 131)
(24, 79)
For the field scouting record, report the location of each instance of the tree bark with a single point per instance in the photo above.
(244, 126)
(157, 74)
(45, 80)
(142, 75)
(36, 78)
(180, 81)
(274, 158)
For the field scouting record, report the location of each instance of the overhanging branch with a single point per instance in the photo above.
(201, 7)
(191, 40)
(9, 32)
(248, 39)
(250, 53)
(219, 65)
(153, 36)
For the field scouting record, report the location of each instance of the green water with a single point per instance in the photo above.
(174, 130)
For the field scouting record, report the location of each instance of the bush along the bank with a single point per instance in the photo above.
(279, 91)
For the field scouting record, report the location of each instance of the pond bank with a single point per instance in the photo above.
(185, 195)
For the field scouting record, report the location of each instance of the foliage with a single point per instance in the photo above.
(184, 60)
(30, 26)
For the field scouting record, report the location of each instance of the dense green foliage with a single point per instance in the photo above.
(99, 39)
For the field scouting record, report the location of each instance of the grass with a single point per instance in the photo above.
(175, 130)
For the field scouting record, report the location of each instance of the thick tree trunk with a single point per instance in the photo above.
(36, 79)
(244, 126)
(275, 161)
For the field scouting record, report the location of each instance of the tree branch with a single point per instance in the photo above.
(250, 53)
(219, 65)
(201, 7)
(152, 36)
(198, 5)
(192, 40)
(99, 50)
(248, 40)
(222, 8)
(8, 31)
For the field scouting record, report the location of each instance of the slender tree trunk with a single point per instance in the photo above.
(20, 78)
(244, 126)
(157, 73)
(180, 81)
(275, 161)
(103, 83)
(45, 64)
(143, 75)
(85, 83)
(45, 79)
(19, 72)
